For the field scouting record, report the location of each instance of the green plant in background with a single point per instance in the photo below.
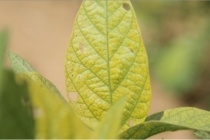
(178, 46)
(106, 68)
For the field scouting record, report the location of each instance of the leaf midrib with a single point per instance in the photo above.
(107, 46)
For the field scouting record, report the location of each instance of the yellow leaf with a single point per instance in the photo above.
(106, 60)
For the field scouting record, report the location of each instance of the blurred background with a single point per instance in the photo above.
(176, 35)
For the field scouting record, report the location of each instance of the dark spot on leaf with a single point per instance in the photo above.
(126, 6)
(131, 50)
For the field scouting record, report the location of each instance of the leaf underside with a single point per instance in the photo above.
(185, 118)
(105, 60)
(21, 66)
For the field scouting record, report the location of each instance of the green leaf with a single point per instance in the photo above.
(54, 117)
(3, 45)
(202, 134)
(178, 66)
(110, 125)
(106, 60)
(185, 118)
(16, 118)
(21, 66)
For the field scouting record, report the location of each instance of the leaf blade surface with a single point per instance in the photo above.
(185, 118)
(105, 60)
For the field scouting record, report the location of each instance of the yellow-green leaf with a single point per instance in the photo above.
(105, 60)
(185, 118)
(54, 117)
(109, 127)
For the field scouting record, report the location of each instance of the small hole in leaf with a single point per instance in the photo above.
(82, 47)
(126, 6)
(73, 96)
(38, 112)
(131, 123)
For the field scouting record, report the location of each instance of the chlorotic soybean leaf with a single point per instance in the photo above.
(16, 117)
(21, 66)
(185, 118)
(109, 127)
(54, 117)
(106, 60)
(3, 45)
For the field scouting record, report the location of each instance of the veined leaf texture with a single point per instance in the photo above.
(184, 118)
(106, 60)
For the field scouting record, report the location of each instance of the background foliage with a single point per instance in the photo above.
(176, 35)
